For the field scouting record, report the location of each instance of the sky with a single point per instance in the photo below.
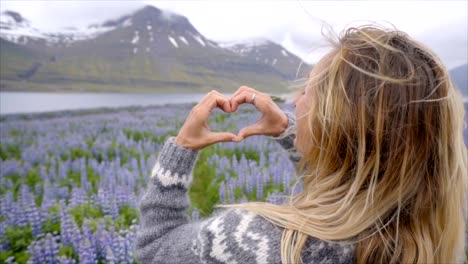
(295, 24)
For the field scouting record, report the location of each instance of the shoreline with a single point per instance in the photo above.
(133, 106)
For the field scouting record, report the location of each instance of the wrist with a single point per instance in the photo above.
(290, 125)
(174, 165)
(184, 143)
(178, 141)
(283, 124)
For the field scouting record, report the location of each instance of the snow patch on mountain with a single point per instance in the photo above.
(128, 22)
(183, 40)
(198, 39)
(136, 37)
(172, 40)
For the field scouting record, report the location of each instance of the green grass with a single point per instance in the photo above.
(204, 192)
(85, 211)
(19, 239)
(10, 151)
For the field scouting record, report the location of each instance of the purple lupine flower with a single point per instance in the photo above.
(35, 219)
(65, 260)
(4, 245)
(10, 260)
(222, 192)
(44, 250)
(70, 234)
(114, 210)
(84, 176)
(250, 184)
(87, 252)
(100, 236)
(9, 167)
(259, 187)
(231, 198)
(78, 197)
(8, 208)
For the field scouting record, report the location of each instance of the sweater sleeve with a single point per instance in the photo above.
(164, 205)
(286, 139)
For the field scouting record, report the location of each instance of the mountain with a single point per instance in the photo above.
(459, 76)
(266, 52)
(148, 50)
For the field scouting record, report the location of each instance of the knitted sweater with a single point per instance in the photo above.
(166, 234)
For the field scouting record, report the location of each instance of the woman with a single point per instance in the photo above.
(381, 154)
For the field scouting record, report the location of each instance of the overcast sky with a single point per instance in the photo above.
(296, 24)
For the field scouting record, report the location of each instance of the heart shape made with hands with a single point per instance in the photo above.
(195, 133)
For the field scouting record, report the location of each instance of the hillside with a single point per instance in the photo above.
(150, 50)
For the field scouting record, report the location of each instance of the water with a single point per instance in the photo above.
(20, 102)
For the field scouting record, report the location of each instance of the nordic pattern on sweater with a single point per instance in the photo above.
(166, 234)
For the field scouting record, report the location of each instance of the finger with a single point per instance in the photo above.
(213, 102)
(215, 99)
(240, 89)
(243, 89)
(209, 95)
(249, 131)
(220, 101)
(216, 137)
(246, 97)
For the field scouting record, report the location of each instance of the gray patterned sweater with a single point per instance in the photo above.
(166, 234)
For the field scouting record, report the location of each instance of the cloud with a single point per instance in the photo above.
(54, 15)
(296, 24)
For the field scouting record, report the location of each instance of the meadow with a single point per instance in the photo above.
(70, 181)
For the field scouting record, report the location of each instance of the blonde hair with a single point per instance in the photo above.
(387, 166)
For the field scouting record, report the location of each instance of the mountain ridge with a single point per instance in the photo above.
(147, 50)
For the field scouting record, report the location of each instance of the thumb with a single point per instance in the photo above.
(249, 131)
(216, 137)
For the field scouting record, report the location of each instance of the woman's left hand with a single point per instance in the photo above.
(195, 133)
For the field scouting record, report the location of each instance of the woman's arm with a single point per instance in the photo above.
(164, 229)
(286, 139)
(163, 207)
(166, 235)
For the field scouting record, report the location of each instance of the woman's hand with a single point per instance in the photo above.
(195, 133)
(273, 121)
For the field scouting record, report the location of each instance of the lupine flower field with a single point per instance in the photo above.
(70, 182)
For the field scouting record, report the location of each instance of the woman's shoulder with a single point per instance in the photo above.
(241, 236)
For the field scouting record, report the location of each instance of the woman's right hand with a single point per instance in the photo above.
(273, 121)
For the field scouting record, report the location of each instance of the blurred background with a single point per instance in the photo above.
(58, 55)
